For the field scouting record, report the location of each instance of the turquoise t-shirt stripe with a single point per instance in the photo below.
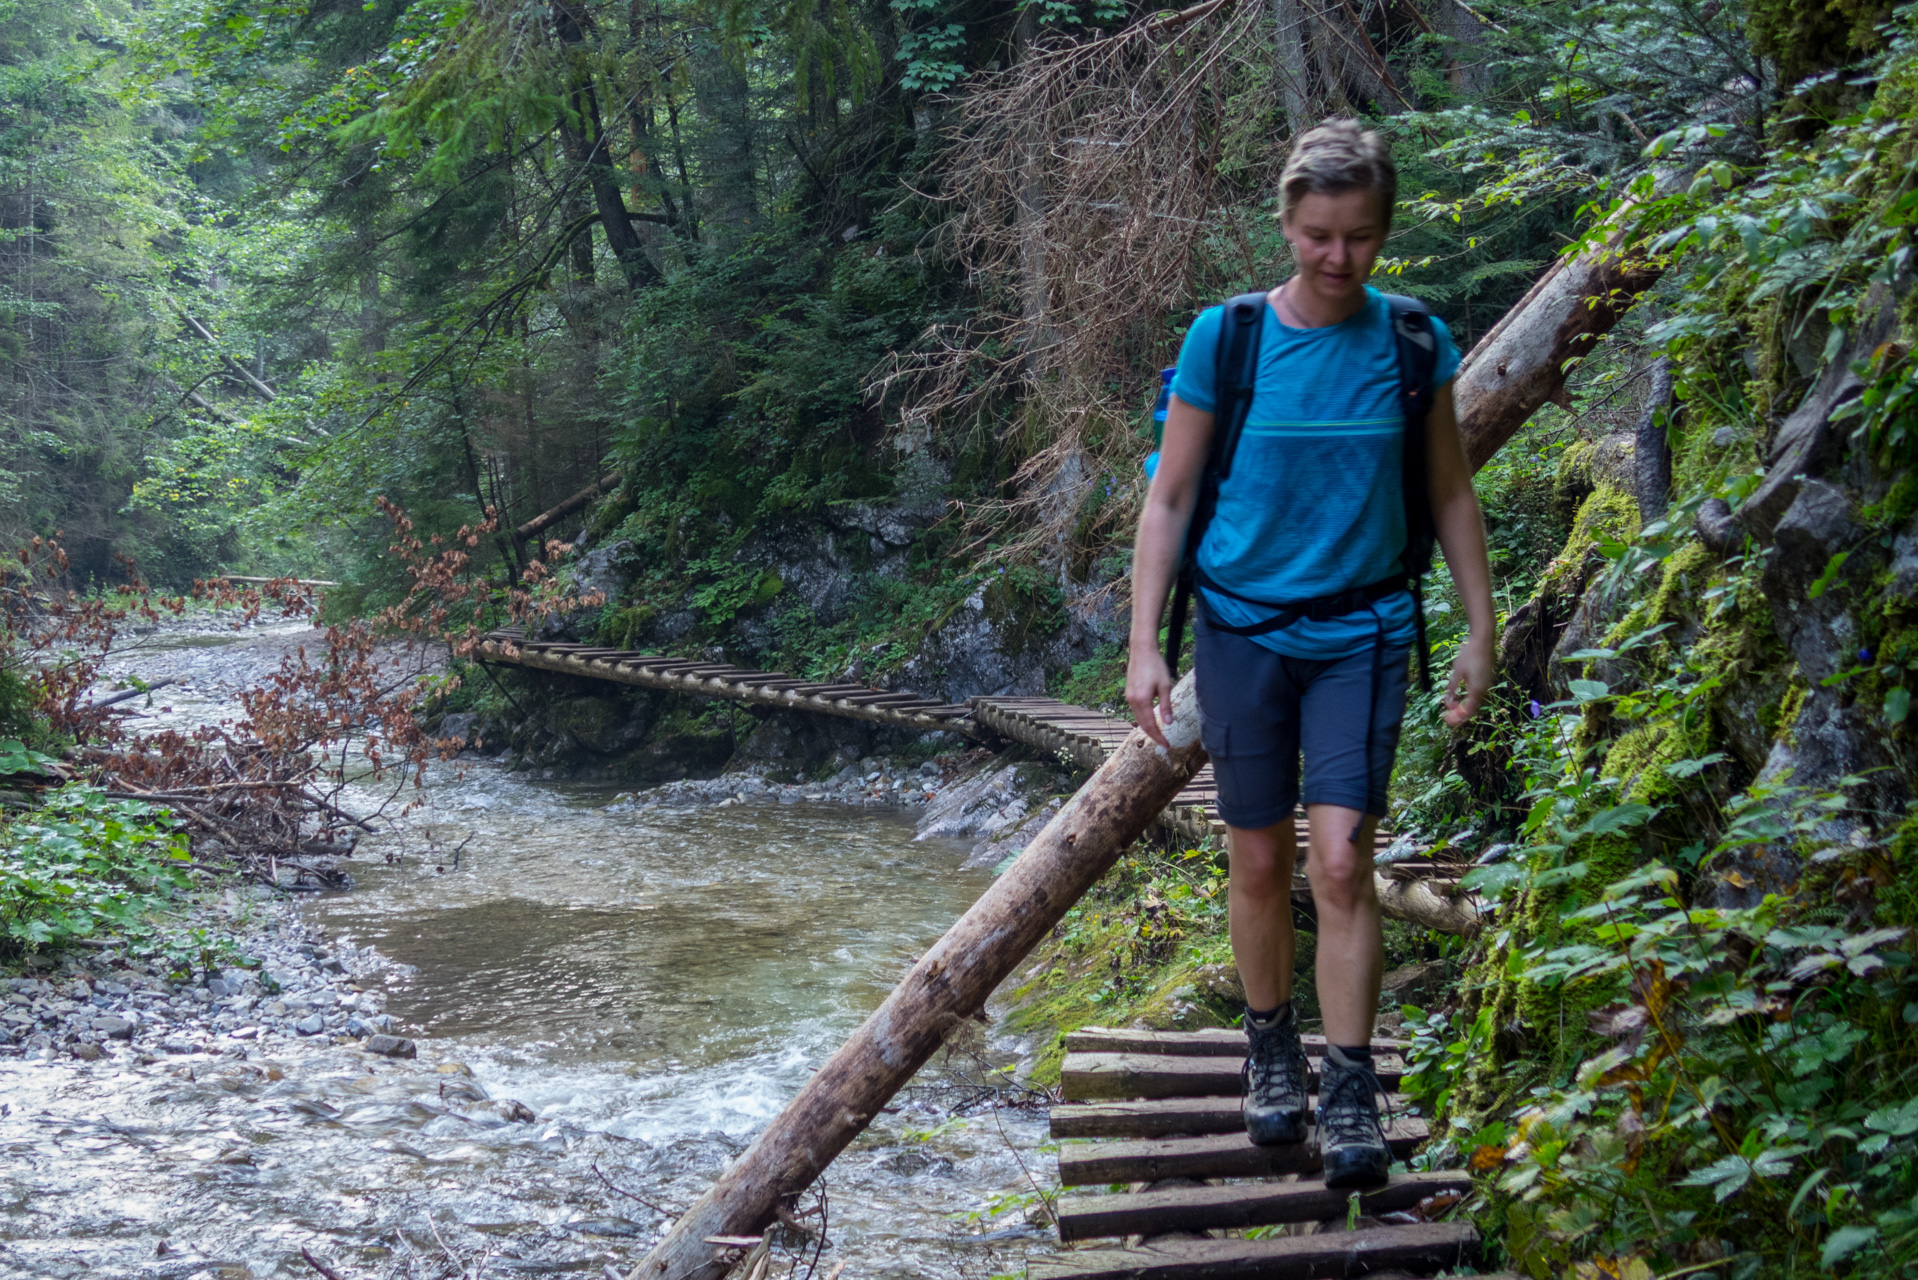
(1313, 505)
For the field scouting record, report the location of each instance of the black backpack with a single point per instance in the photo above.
(1239, 332)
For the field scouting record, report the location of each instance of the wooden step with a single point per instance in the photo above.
(1089, 1077)
(1426, 1248)
(1255, 1204)
(1159, 1117)
(1225, 1155)
(1214, 1042)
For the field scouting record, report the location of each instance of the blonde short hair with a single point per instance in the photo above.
(1336, 157)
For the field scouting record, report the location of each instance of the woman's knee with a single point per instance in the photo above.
(1342, 878)
(1261, 868)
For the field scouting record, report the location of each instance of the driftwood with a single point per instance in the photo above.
(1521, 364)
(949, 984)
(568, 507)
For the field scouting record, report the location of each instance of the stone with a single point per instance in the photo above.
(311, 1025)
(114, 1027)
(87, 1052)
(391, 1046)
(217, 988)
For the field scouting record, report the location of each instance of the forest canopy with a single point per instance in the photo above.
(264, 264)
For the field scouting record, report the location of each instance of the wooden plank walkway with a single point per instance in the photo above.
(1164, 1108)
(1079, 734)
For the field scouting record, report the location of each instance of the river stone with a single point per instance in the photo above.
(391, 1046)
(87, 1052)
(114, 1027)
(311, 1025)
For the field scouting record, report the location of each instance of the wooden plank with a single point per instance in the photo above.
(1426, 1247)
(1254, 1204)
(1159, 1117)
(1149, 1118)
(1226, 1155)
(1212, 1042)
(1092, 1077)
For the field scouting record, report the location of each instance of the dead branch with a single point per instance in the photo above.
(1090, 188)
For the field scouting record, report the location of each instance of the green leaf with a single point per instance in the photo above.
(1589, 690)
(1494, 881)
(1900, 1122)
(1897, 705)
(1725, 1177)
(1824, 580)
(1844, 1242)
(1691, 768)
(1619, 817)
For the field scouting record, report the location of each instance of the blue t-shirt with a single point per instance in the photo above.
(1314, 504)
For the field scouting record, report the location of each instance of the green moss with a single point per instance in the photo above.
(1572, 482)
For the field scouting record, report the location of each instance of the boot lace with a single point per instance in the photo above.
(1274, 1065)
(1346, 1110)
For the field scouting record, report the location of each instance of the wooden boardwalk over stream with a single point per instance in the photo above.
(1078, 734)
(1421, 893)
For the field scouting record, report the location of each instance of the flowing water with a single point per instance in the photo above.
(652, 984)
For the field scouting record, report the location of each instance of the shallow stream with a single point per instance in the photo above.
(652, 985)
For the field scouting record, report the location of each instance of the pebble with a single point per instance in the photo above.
(391, 1046)
(108, 1005)
(870, 782)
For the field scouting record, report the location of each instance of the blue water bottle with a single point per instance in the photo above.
(1159, 411)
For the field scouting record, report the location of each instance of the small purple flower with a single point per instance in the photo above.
(1535, 709)
(1864, 655)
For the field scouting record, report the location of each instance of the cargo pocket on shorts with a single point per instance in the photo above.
(1215, 735)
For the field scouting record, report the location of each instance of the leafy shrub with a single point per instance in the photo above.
(83, 865)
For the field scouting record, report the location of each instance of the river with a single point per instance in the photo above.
(652, 984)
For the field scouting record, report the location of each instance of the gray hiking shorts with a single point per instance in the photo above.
(1260, 711)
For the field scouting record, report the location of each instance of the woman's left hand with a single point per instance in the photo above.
(1472, 676)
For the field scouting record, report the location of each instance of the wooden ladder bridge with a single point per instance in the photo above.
(1158, 1113)
(1423, 894)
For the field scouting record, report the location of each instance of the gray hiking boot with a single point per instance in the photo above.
(1351, 1135)
(1274, 1076)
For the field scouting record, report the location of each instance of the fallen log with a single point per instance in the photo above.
(568, 507)
(239, 370)
(1521, 364)
(949, 984)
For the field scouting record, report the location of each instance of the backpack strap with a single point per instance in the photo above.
(1418, 360)
(1235, 362)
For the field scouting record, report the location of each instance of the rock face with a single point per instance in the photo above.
(601, 573)
(1001, 809)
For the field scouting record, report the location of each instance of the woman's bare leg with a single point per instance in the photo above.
(1259, 906)
(1350, 950)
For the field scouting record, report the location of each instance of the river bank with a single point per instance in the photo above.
(605, 994)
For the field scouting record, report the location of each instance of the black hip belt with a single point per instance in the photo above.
(1318, 609)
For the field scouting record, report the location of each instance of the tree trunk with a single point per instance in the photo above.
(949, 984)
(539, 522)
(1289, 33)
(1652, 456)
(1521, 363)
(1035, 284)
(584, 136)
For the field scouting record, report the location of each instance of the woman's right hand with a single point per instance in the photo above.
(1148, 691)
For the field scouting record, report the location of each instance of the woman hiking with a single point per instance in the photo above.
(1305, 621)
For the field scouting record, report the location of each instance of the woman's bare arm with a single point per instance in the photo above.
(1155, 558)
(1461, 532)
